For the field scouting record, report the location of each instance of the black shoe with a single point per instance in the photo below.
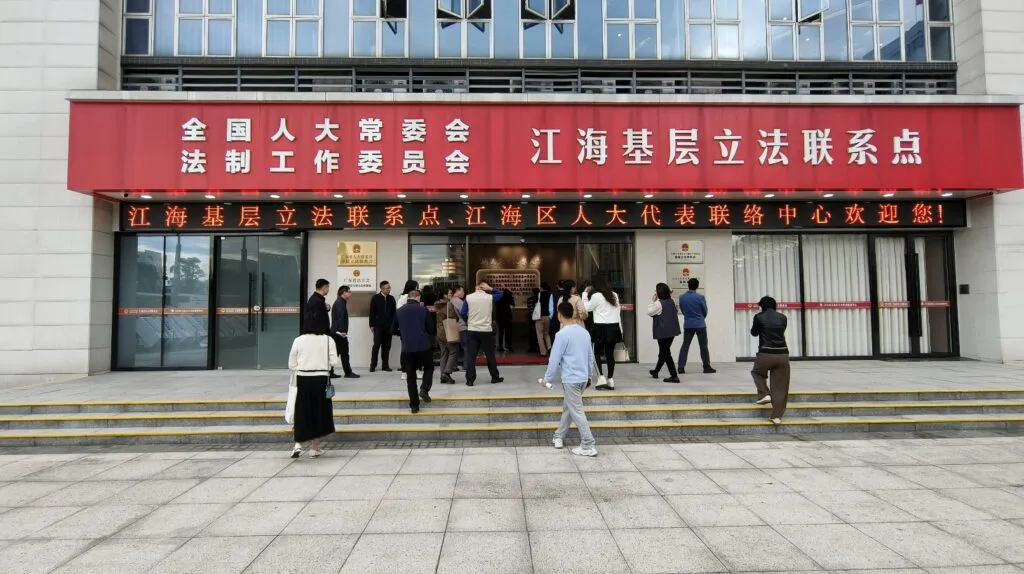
(681, 371)
(671, 380)
(415, 409)
(497, 380)
(447, 380)
(351, 376)
(387, 369)
(373, 369)
(709, 371)
(425, 397)
(654, 374)
(469, 383)
(334, 375)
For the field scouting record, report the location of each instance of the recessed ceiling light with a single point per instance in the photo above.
(947, 194)
(210, 196)
(648, 195)
(888, 194)
(401, 196)
(769, 195)
(463, 196)
(829, 195)
(275, 196)
(339, 196)
(526, 196)
(587, 195)
(709, 196)
(145, 196)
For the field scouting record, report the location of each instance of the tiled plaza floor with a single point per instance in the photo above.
(519, 380)
(887, 505)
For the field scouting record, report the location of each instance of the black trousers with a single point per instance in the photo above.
(702, 340)
(342, 344)
(608, 351)
(665, 357)
(413, 362)
(381, 343)
(474, 342)
(504, 326)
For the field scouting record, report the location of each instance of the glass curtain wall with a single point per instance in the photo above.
(163, 313)
(754, 30)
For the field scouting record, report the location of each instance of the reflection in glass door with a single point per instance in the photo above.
(913, 302)
(614, 261)
(259, 300)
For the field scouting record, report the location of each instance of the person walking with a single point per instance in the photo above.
(772, 358)
(339, 329)
(503, 317)
(477, 313)
(573, 354)
(542, 322)
(413, 326)
(553, 324)
(403, 298)
(695, 311)
(602, 304)
(533, 314)
(382, 324)
(458, 301)
(317, 311)
(311, 359)
(444, 310)
(665, 329)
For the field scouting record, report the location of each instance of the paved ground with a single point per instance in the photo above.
(807, 376)
(898, 506)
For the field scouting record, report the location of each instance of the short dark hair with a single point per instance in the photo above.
(545, 287)
(343, 289)
(566, 309)
(321, 283)
(693, 283)
(767, 302)
(384, 284)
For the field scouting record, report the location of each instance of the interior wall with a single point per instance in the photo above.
(718, 284)
(392, 266)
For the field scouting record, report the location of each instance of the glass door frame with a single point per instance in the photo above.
(212, 321)
(914, 296)
(872, 259)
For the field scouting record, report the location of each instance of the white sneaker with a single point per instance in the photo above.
(580, 451)
(297, 451)
(601, 381)
(764, 401)
(559, 443)
(611, 383)
(316, 453)
(403, 376)
(776, 421)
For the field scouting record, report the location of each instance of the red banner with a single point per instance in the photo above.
(260, 146)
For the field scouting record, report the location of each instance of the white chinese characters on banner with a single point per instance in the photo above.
(818, 146)
(193, 130)
(415, 161)
(544, 145)
(683, 147)
(593, 146)
(638, 147)
(773, 146)
(457, 131)
(326, 130)
(238, 161)
(282, 132)
(457, 162)
(327, 161)
(729, 145)
(861, 150)
(371, 130)
(193, 161)
(239, 130)
(282, 157)
(371, 161)
(906, 148)
(414, 130)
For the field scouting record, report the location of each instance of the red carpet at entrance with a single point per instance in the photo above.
(516, 360)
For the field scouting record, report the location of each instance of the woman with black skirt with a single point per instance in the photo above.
(311, 359)
(665, 329)
(603, 305)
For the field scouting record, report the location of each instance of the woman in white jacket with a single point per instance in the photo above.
(603, 306)
(311, 359)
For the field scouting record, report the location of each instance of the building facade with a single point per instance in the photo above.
(176, 173)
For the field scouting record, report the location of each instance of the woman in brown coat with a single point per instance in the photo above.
(449, 349)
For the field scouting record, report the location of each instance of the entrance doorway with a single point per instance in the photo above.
(258, 300)
(520, 264)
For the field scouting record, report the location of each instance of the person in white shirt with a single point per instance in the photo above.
(311, 359)
(603, 305)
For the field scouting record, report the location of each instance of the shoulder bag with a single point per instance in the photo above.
(329, 390)
(451, 325)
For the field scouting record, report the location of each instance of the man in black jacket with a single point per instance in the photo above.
(382, 323)
(772, 358)
(339, 329)
(316, 318)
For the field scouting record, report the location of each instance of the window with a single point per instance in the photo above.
(714, 27)
(795, 29)
(549, 29)
(464, 29)
(940, 31)
(631, 29)
(292, 28)
(876, 31)
(380, 28)
(205, 28)
(138, 27)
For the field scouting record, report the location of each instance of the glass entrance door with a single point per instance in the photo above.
(259, 300)
(613, 261)
(913, 296)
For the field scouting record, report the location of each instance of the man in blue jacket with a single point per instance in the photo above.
(417, 353)
(695, 311)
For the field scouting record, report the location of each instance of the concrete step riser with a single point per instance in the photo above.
(592, 399)
(744, 414)
(284, 438)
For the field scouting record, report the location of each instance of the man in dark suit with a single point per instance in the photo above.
(413, 321)
(382, 323)
(316, 318)
(339, 329)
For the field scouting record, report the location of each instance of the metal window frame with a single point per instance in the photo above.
(631, 24)
(379, 21)
(549, 30)
(148, 17)
(928, 24)
(464, 24)
(206, 17)
(795, 24)
(293, 19)
(714, 22)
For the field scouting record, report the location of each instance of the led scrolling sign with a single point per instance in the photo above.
(512, 216)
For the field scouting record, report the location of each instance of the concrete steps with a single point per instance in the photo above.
(469, 416)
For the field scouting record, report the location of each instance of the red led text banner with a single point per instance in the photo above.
(219, 146)
(565, 216)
